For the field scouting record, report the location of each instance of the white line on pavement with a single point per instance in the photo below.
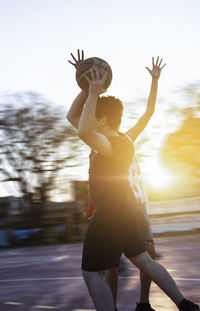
(13, 303)
(59, 258)
(179, 248)
(27, 262)
(44, 307)
(81, 278)
(40, 259)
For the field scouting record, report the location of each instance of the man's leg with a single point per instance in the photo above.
(159, 275)
(145, 281)
(162, 278)
(112, 280)
(99, 290)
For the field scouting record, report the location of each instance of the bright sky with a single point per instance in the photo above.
(37, 37)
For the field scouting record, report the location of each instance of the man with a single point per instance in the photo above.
(111, 275)
(114, 229)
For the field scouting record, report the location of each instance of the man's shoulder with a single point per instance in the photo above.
(121, 137)
(126, 139)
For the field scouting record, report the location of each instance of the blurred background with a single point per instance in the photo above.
(44, 164)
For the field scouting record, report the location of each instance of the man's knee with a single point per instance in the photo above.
(142, 261)
(90, 275)
(86, 275)
(151, 250)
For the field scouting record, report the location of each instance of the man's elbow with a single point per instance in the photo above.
(70, 119)
(83, 134)
(150, 112)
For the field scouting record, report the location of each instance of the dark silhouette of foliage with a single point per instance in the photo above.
(36, 143)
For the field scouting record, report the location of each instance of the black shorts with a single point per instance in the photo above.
(110, 235)
(145, 226)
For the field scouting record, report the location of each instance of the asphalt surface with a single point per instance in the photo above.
(49, 278)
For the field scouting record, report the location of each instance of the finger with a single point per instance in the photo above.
(97, 74)
(104, 76)
(87, 78)
(78, 54)
(73, 57)
(152, 61)
(71, 63)
(157, 60)
(160, 62)
(148, 69)
(92, 74)
(82, 55)
(163, 66)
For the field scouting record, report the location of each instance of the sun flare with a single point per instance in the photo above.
(157, 176)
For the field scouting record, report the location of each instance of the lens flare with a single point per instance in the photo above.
(157, 175)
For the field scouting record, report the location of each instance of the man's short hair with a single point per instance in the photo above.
(110, 107)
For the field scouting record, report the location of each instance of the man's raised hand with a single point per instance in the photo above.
(156, 68)
(97, 83)
(79, 60)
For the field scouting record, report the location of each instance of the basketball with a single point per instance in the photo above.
(92, 63)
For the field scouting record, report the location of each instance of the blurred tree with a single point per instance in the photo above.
(183, 146)
(36, 144)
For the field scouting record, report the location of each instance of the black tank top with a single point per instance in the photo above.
(109, 175)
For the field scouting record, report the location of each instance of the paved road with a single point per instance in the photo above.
(41, 278)
(174, 215)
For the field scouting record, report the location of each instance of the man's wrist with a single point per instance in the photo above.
(93, 94)
(154, 79)
(83, 94)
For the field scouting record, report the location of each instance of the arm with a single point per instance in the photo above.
(135, 131)
(86, 127)
(75, 111)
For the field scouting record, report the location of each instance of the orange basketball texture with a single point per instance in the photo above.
(92, 63)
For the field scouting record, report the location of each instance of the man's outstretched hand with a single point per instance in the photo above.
(96, 84)
(156, 68)
(79, 60)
